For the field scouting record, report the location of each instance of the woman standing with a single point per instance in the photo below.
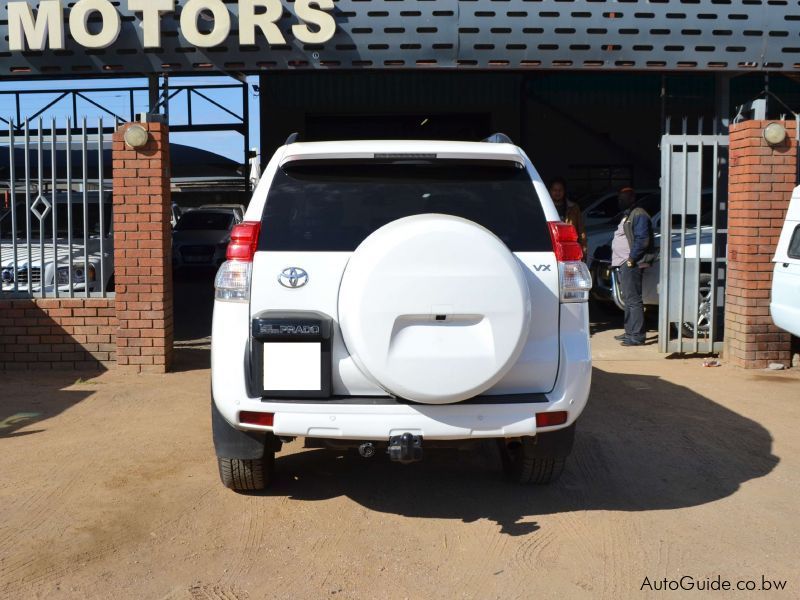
(568, 211)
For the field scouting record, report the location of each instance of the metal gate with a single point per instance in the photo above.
(56, 236)
(693, 241)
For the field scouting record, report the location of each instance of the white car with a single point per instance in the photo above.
(785, 304)
(48, 264)
(387, 295)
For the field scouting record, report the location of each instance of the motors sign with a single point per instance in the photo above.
(69, 38)
(96, 24)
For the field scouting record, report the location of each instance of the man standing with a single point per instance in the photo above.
(632, 251)
(568, 211)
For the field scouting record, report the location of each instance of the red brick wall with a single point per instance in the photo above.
(761, 183)
(57, 333)
(143, 251)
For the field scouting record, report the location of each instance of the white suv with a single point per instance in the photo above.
(388, 295)
(785, 304)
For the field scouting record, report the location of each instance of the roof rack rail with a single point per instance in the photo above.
(292, 138)
(498, 138)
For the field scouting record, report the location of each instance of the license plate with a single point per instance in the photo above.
(293, 366)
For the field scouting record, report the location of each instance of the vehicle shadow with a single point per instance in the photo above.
(643, 444)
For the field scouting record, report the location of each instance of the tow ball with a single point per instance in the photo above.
(406, 448)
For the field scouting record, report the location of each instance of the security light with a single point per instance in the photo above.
(775, 134)
(136, 137)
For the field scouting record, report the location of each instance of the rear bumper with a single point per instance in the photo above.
(379, 418)
(378, 421)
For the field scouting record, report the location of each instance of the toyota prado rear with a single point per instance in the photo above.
(394, 297)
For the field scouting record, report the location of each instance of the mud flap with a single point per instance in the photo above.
(230, 442)
(554, 444)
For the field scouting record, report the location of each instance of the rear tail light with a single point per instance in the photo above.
(244, 241)
(565, 242)
(550, 419)
(232, 283)
(574, 277)
(257, 418)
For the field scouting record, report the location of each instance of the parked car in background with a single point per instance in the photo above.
(785, 304)
(201, 237)
(601, 232)
(238, 209)
(602, 207)
(70, 261)
(175, 215)
(605, 279)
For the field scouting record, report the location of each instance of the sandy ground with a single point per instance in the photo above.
(109, 489)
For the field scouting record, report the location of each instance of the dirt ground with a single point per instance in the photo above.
(109, 489)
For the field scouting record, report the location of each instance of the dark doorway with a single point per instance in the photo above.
(452, 126)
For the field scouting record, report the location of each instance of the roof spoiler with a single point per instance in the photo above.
(498, 138)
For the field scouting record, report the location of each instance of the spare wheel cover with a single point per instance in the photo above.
(434, 308)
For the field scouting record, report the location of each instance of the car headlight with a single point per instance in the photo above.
(80, 274)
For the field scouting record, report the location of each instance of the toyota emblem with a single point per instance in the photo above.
(293, 277)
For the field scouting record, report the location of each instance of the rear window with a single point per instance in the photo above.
(327, 206)
(794, 244)
(204, 221)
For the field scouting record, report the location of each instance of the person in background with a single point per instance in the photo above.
(569, 212)
(632, 251)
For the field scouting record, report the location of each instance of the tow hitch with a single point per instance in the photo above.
(406, 448)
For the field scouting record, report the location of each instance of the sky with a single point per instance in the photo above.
(230, 144)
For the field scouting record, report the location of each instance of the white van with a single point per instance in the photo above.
(785, 305)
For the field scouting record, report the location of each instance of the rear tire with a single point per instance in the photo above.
(247, 475)
(537, 459)
(523, 468)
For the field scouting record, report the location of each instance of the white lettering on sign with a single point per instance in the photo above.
(110, 23)
(151, 18)
(219, 32)
(44, 28)
(265, 21)
(323, 21)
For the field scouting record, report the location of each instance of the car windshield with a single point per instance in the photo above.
(334, 206)
(200, 220)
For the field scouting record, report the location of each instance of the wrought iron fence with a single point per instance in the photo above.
(56, 235)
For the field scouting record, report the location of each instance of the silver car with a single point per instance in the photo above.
(201, 237)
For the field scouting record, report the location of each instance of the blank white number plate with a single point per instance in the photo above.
(296, 366)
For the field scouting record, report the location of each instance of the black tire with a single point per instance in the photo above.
(523, 468)
(702, 321)
(247, 475)
(537, 460)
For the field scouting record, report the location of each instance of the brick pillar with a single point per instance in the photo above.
(761, 182)
(143, 251)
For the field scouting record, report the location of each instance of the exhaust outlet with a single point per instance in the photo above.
(367, 450)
